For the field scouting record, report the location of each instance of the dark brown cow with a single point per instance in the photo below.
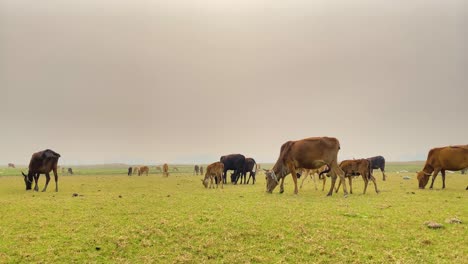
(309, 153)
(42, 162)
(196, 170)
(143, 169)
(11, 165)
(166, 170)
(452, 158)
(214, 171)
(358, 167)
(201, 170)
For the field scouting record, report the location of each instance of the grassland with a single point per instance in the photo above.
(152, 219)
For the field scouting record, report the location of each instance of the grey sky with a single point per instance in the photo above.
(188, 81)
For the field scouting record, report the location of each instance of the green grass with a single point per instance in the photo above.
(151, 219)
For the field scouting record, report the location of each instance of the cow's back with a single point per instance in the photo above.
(449, 158)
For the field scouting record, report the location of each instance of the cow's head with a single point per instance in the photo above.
(28, 179)
(423, 178)
(271, 180)
(205, 182)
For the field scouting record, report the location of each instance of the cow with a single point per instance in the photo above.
(250, 166)
(69, 171)
(196, 170)
(130, 170)
(357, 167)
(42, 162)
(233, 162)
(309, 153)
(312, 174)
(143, 169)
(135, 170)
(165, 170)
(378, 162)
(201, 170)
(11, 165)
(452, 158)
(214, 171)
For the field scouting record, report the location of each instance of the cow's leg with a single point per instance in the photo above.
(338, 187)
(384, 178)
(350, 179)
(303, 179)
(56, 179)
(336, 171)
(375, 183)
(36, 179)
(47, 181)
(434, 175)
(314, 179)
(366, 182)
(443, 178)
(324, 179)
(282, 185)
(333, 178)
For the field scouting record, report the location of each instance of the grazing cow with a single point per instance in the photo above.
(130, 169)
(42, 162)
(312, 174)
(11, 165)
(143, 169)
(196, 170)
(309, 153)
(250, 166)
(165, 170)
(355, 168)
(452, 158)
(70, 171)
(378, 162)
(201, 170)
(214, 171)
(233, 162)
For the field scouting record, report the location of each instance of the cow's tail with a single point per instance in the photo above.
(323, 172)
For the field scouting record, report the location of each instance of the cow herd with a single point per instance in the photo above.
(309, 157)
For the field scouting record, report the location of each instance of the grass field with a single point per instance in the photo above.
(151, 219)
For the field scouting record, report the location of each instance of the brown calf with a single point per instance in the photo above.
(214, 170)
(355, 168)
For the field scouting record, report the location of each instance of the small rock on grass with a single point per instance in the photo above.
(453, 221)
(433, 225)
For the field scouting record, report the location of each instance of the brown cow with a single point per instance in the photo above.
(11, 165)
(42, 162)
(165, 170)
(358, 167)
(309, 153)
(214, 170)
(312, 174)
(196, 170)
(452, 158)
(143, 169)
(135, 170)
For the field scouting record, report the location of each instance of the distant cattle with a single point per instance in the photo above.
(313, 174)
(309, 153)
(250, 166)
(355, 168)
(42, 162)
(196, 170)
(143, 169)
(158, 168)
(233, 162)
(70, 171)
(175, 169)
(378, 163)
(11, 165)
(215, 172)
(452, 158)
(135, 170)
(201, 170)
(130, 170)
(166, 170)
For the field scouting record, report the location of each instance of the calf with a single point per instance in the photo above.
(312, 173)
(214, 171)
(355, 168)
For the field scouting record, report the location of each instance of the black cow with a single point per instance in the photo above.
(250, 166)
(233, 162)
(378, 162)
(42, 162)
(130, 170)
(70, 171)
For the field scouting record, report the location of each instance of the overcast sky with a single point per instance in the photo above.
(103, 81)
